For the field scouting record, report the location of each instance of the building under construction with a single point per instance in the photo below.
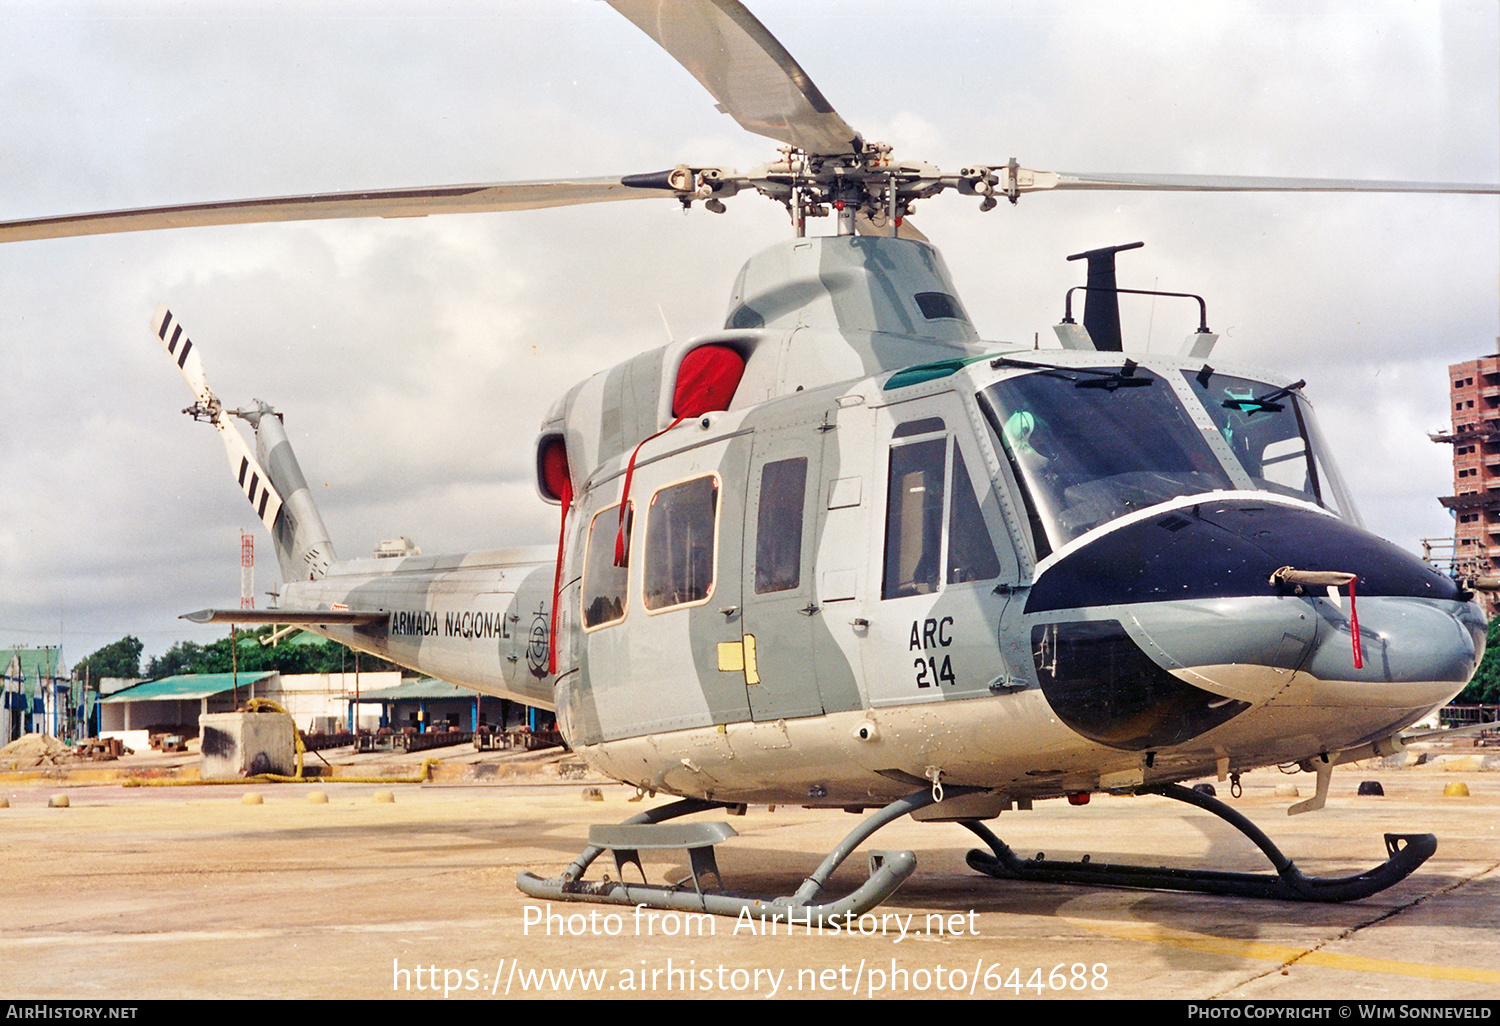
(36, 696)
(1475, 401)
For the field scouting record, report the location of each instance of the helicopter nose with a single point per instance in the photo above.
(1165, 627)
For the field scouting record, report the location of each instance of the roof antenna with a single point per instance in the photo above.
(1101, 316)
(664, 323)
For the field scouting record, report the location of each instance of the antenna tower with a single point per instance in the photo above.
(247, 571)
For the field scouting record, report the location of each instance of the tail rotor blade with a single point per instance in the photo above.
(180, 348)
(255, 485)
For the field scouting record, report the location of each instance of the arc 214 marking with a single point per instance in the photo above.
(926, 635)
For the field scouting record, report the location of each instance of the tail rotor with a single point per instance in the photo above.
(254, 482)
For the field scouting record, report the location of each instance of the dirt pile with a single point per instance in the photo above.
(32, 750)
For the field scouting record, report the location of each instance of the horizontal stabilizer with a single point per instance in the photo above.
(287, 616)
(1431, 735)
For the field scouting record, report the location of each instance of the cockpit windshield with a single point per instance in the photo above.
(1090, 445)
(1090, 448)
(1272, 434)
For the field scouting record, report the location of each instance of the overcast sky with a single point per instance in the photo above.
(414, 359)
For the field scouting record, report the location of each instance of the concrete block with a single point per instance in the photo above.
(241, 744)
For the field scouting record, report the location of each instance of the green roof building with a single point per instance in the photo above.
(35, 696)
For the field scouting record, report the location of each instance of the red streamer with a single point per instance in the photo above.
(564, 483)
(1359, 662)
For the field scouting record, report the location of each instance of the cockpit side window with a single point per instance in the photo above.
(971, 553)
(914, 518)
(921, 498)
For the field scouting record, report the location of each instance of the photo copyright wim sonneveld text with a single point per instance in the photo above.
(676, 975)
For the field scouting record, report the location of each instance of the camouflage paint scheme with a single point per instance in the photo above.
(1149, 648)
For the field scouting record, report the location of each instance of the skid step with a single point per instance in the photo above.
(888, 869)
(627, 840)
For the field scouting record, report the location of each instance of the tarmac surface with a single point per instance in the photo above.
(153, 892)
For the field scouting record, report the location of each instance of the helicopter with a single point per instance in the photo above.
(842, 552)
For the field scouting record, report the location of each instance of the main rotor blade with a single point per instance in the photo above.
(746, 69)
(452, 199)
(1252, 183)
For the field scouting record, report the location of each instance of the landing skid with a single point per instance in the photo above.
(888, 869)
(1406, 852)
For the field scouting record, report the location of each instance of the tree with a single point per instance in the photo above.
(1485, 687)
(180, 658)
(119, 659)
(253, 657)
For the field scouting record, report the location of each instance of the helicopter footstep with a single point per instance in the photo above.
(627, 840)
(888, 869)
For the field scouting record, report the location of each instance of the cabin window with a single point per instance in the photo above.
(921, 497)
(778, 526)
(681, 539)
(923, 426)
(605, 595)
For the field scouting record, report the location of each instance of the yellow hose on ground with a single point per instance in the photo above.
(258, 704)
(422, 776)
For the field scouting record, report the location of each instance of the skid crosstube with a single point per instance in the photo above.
(1406, 852)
